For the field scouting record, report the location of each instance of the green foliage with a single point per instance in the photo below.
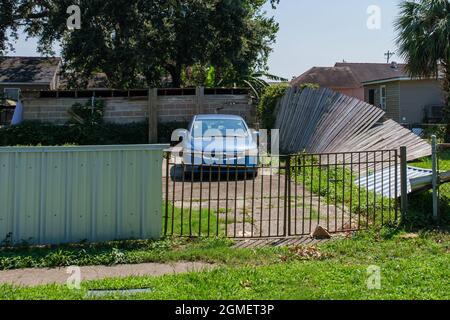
(438, 130)
(166, 129)
(213, 250)
(37, 133)
(270, 96)
(205, 223)
(335, 184)
(268, 103)
(256, 82)
(421, 205)
(137, 42)
(423, 40)
(211, 77)
(88, 113)
(411, 268)
(31, 133)
(313, 86)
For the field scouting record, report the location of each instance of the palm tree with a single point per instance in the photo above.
(424, 42)
(257, 82)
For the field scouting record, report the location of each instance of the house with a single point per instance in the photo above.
(406, 100)
(28, 73)
(339, 79)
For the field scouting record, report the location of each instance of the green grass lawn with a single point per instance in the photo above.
(444, 162)
(420, 205)
(336, 185)
(414, 268)
(195, 223)
(132, 252)
(411, 267)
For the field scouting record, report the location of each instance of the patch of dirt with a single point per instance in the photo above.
(303, 253)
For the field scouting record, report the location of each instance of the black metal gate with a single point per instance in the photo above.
(286, 196)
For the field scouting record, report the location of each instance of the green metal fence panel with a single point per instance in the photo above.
(53, 195)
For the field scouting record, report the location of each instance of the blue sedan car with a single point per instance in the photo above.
(218, 141)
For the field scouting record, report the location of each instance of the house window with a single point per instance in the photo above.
(372, 96)
(383, 97)
(11, 93)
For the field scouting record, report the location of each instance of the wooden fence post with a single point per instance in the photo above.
(404, 181)
(152, 115)
(199, 99)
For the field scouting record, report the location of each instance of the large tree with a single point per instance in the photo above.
(137, 42)
(424, 41)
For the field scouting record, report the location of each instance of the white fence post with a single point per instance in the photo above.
(435, 178)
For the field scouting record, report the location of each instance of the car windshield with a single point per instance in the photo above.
(206, 128)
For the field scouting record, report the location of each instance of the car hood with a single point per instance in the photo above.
(225, 145)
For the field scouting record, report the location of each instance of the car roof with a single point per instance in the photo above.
(217, 116)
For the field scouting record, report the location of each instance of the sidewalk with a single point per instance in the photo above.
(35, 277)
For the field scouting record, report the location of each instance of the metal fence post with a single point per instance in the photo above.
(404, 181)
(435, 178)
(287, 202)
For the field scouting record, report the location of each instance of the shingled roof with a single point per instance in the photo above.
(351, 75)
(334, 77)
(375, 71)
(30, 70)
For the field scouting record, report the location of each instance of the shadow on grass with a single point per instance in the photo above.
(420, 213)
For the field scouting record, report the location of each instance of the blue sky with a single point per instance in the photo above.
(318, 33)
(322, 32)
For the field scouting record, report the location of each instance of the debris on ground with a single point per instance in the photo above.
(320, 234)
(303, 253)
(409, 236)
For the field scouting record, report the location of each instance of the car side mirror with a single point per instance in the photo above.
(255, 133)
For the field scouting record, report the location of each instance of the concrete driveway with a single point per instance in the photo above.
(255, 207)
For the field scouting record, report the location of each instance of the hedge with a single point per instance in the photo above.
(47, 134)
(269, 100)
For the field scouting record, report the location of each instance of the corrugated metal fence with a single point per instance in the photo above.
(52, 195)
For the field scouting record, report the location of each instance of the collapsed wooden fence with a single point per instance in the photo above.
(324, 121)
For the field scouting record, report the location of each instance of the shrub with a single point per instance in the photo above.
(86, 114)
(268, 103)
(165, 130)
(31, 133)
(36, 133)
(85, 127)
(269, 100)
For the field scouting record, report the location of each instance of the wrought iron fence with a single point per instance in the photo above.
(281, 196)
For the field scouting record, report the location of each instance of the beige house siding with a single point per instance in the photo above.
(357, 93)
(415, 95)
(392, 98)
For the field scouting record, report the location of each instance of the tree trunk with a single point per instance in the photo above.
(175, 73)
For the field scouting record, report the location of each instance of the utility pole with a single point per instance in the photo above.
(389, 55)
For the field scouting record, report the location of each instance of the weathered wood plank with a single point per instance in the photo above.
(321, 121)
